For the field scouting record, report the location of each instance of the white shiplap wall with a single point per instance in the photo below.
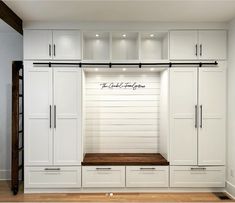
(122, 120)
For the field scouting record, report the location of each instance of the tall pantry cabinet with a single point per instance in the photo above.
(197, 124)
(53, 124)
(52, 110)
(198, 109)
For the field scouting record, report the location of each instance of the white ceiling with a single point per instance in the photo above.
(124, 10)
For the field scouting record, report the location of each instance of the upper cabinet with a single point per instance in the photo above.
(66, 44)
(37, 44)
(213, 44)
(194, 44)
(183, 45)
(48, 44)
(145, 46)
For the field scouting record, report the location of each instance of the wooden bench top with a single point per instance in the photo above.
(91, 159)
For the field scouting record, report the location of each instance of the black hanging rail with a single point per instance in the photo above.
(110, 64)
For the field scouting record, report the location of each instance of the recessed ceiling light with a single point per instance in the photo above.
(124, 35)
(151, 35)
(124, 69)
(152, 69)
(97, 35)
(96, 69)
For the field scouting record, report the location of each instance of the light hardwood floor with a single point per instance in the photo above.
(6, 196)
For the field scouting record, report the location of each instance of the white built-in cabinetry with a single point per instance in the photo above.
(52, 177)
(198, 44)
(103, 176)
(183, 129)
(147, 176)
(191, 99)
(52, 120)
(191, 176)
(197, 115)
(52, 44)
(197, 126)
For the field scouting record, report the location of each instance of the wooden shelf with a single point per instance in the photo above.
(91, 159)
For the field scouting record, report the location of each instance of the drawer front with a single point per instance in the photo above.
(191, 176)
(52, 177)
(147, 176)
(103, 176)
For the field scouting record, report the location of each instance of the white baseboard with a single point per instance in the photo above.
(230, 189)
(121, 190)
(5, 174)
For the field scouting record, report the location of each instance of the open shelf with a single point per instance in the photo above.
(125, 46)
(153, 46)
(124, 159)
(96, 46)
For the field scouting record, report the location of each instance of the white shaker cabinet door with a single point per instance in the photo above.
(66, 45)
(213, 44)
(37, 44)
(67, 116)
(38, 126)
(212, 101)
(183, 45)
(183, 131)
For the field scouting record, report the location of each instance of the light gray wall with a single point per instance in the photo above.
(11, 48)
(231, 110)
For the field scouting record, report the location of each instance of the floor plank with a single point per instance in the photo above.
(6, 196)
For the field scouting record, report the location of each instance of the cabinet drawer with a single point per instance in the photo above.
(52, 177)
(193, 176)
(103, 176)
(147, 176)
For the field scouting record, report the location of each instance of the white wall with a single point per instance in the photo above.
(231, 111)
(11, 48)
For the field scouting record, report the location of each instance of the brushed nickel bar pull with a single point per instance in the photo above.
(49, 50)
(54, 49)
(196, 49)
(198, 169)
(147, 168)
(52, 169)
(50, 116)
(103, 168)
(200, 49)
(195, 116)
(200, 116)
(54, 116)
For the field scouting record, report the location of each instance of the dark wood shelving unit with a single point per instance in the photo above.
(17, 162)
